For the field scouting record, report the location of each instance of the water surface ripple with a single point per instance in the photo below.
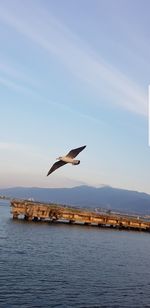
(49, 265)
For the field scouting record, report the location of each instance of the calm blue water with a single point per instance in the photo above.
(44, 265)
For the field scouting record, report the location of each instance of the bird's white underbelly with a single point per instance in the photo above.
(67, 159)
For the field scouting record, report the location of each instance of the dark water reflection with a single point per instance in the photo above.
(43, 265)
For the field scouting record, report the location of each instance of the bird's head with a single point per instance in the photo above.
(58, 158)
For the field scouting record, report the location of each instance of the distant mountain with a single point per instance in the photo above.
(86, 196)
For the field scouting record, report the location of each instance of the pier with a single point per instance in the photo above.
(36, 211)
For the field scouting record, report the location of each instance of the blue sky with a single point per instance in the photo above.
(75, 73)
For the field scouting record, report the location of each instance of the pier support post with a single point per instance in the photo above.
(15, 216)
(71, 221)
(28, 218)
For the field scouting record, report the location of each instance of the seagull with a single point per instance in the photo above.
(69, 158)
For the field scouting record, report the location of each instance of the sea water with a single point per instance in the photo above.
(60, 265)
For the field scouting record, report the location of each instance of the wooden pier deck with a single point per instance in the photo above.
(36, 211)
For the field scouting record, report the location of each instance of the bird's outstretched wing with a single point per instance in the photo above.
(73, 153)
(57, 165)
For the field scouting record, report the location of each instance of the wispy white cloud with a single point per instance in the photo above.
(55, 38)
(9, 146)
(22, 148)
(15, 79)
(14, 146)
(12, 85)
(9, 71)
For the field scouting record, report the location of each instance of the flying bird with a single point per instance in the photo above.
(69, 158)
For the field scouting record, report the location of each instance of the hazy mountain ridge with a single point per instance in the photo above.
(86, 196)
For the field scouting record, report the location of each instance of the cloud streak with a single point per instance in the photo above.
(12, 85)
(27, 149)
(7, 70)
(56, 39)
